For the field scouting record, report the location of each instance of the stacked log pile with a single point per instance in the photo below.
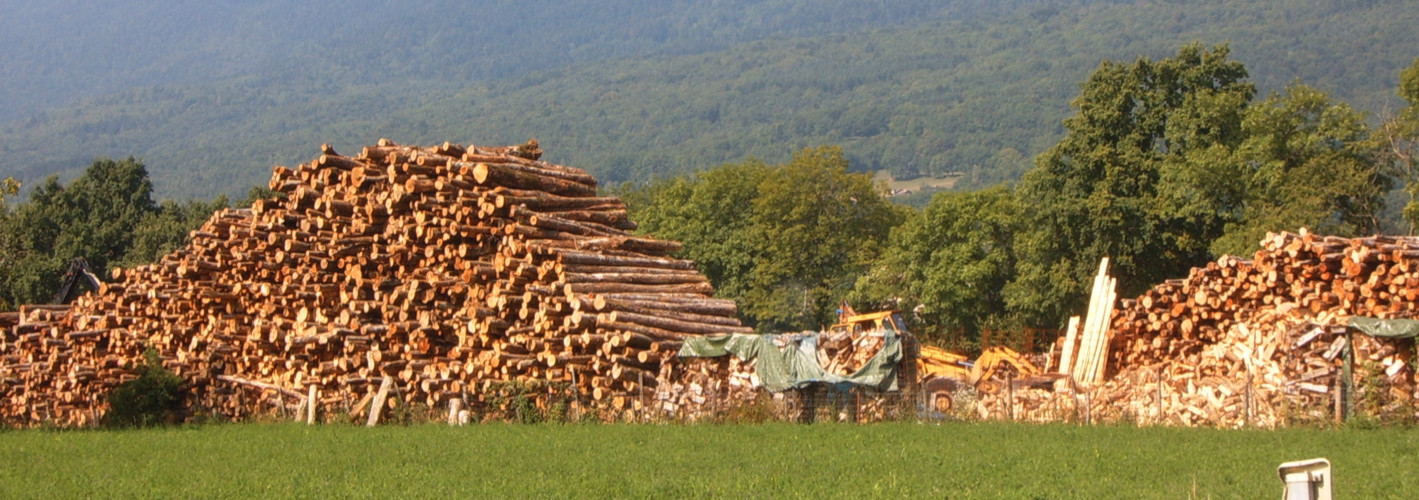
(1251, 343)
(445, 269)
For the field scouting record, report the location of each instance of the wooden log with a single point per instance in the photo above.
(671, 324)
(260, 385)
(694, 303)
(611, 287)
(377, 404)
(570, 257)
(670, 310)
(658, 277)
(504, 174)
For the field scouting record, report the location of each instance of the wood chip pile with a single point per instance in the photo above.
(451, 270)
(1251, 343)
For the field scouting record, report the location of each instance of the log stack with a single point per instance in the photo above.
(1251, 342)
(447, 269)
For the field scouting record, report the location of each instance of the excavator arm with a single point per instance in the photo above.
(74, 279)
(993, 359)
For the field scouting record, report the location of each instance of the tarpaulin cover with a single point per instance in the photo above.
(1388, 328)
(794, 367)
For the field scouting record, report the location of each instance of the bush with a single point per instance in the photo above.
(154, 398)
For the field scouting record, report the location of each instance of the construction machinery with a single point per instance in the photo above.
(942, 373)
(939, 372)
(75, 278)
(849, 322)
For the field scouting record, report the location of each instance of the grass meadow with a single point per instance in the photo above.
(887, 460)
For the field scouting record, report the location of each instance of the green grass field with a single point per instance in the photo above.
(892, 460)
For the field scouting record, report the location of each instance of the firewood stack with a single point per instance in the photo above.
(706, 389)
(844, 354)
(447, 269)
(1256, 343)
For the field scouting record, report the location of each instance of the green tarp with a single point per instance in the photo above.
(1388, 328)
(797, 364)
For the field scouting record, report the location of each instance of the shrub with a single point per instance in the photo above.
(154, 398)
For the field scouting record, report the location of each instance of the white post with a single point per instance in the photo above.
(310, 402)
(377, 406)
(454, 405)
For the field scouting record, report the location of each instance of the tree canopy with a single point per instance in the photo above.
(106, 216)
(1167, 164)
(787, 241)
(948, 264)
(1131, 179)
(1306, 162)
(1399, 137)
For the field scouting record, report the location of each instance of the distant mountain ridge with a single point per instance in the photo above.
(639, 89)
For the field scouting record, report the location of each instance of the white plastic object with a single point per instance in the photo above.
(1306, 479)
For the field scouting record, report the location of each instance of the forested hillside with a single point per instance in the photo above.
(60, 50)
(635, 90)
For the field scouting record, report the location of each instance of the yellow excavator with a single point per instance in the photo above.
(942, 372)
(850, 322)
(938, 371)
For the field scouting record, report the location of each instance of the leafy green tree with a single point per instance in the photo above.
(107, 216)
(709, 213)
(8, 188)
(94, 218)
(817, 227)
(948, 266)
(1131, 180)
(787, 241)
(1306, 162)
(1399, 137)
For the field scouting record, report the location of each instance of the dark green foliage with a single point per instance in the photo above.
(815, 228)
(947, 266)
(154, 398)
(1306, 162)
(1133, 181)
(786, 241)
(1169, 164)
(94, 217)
(166, 229)
(106, 216)
(710, 212)
(1398, 136)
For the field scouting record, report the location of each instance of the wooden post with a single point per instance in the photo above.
(377, 405)
(1160, 395)
(1088, 406)
(1339, 410)
(1071, 337)
(311, 400)
(1246, 415)
(1009, 396)
(454, 406)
